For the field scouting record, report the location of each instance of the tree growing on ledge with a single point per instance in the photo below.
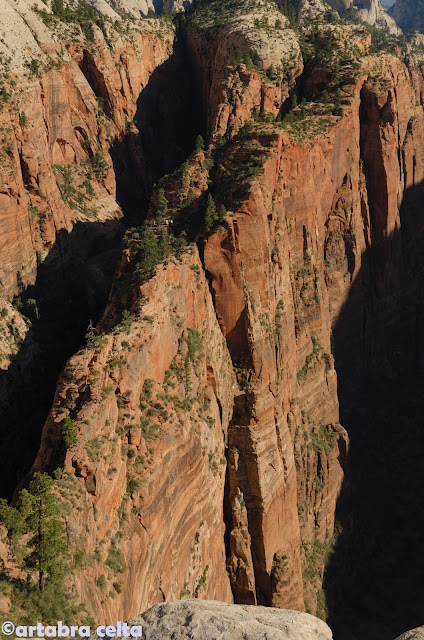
(200, 143)
(161, 206)
(38, 507)
(210, 214)
(43, 594)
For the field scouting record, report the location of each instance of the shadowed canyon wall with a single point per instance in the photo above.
(73, 162)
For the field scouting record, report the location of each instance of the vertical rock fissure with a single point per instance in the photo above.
(243, 508)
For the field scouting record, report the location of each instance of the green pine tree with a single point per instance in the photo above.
(12, 520)
(69, 432)
(149, 255)
(200, 143)
(210, 214)
(39, 507)
(222, 214)
(164, 244)
(161, 206)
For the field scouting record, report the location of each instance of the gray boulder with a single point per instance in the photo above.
(207, 620)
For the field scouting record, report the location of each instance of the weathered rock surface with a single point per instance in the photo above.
(209, 620)
(231, 91)
(65, 111)
(370, 11)
(55, 125)
(373, 12)
(152, 401)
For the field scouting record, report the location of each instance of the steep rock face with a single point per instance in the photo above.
(64, 111)
(272, 316)
(216, 619)
(155, 401)
(370, 11)
(408, 14)
(280, 273)
(176, 5)
(373, 12)
(377, 338)
(233, 92)
(151, 401)
(55, 126)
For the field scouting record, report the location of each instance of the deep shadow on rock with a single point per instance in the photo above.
(71, 289)
(168, 121)
(374, 581)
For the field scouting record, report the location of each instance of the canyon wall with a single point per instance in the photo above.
(68, 132)
(409, 14)
(209, 455)
(152, 401)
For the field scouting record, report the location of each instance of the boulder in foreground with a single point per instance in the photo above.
(209, 620)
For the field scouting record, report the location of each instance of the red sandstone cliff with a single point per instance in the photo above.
(208, 424)
(56, 132)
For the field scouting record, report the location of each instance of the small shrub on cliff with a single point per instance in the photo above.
(23, 120)
(83, 14)
(132, 484)
(194, 343)
(279, 565)
(115, 560)
(96, 164)
(34, 67)
(69, 432)
(101, 582)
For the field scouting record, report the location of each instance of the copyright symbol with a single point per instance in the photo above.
(8, 628)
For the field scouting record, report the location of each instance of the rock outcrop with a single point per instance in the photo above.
(69, 142)
(57, 131)
(373, 12)
(209, 620)
(370, 11)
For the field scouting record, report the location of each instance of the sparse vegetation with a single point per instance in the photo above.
(69, 432)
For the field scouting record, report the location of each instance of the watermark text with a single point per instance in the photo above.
(60, 630)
